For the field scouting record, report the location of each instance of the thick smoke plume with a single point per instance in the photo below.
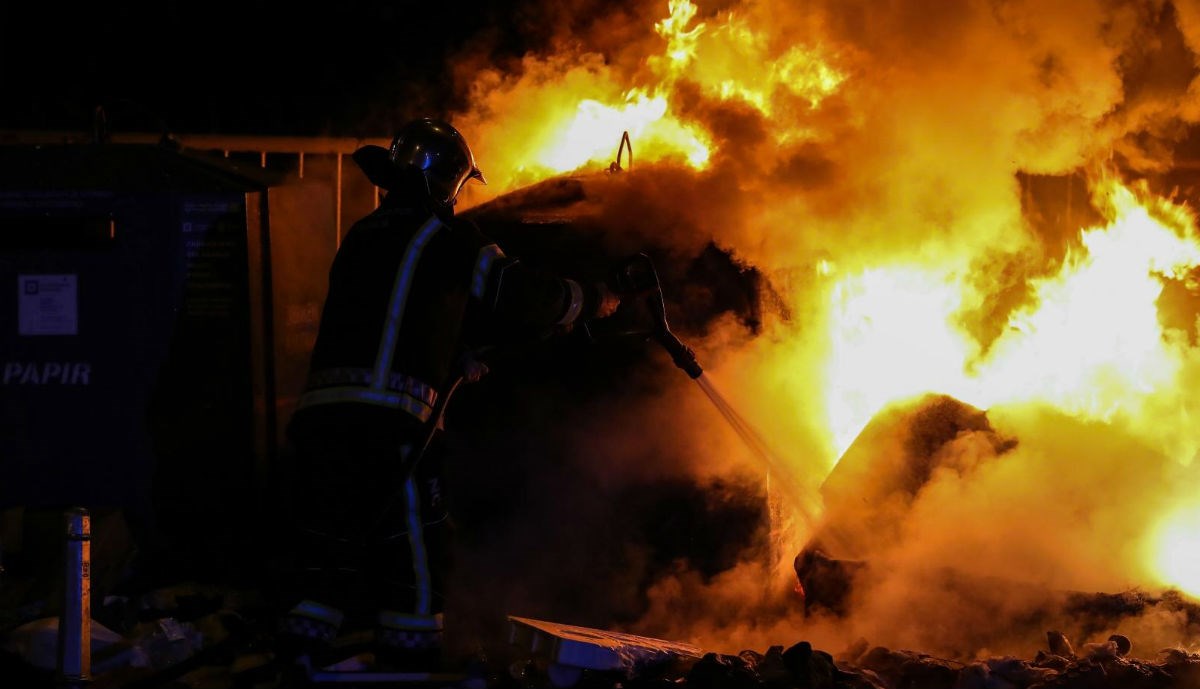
(921, 155)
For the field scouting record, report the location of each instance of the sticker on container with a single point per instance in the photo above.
(47, 305)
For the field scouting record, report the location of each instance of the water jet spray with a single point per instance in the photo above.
(637, 277)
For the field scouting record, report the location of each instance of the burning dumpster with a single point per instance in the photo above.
(868, 494)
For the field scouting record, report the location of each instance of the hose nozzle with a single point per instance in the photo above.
(638, 277)
(681, 354)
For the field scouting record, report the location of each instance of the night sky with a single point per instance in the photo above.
(344, 69)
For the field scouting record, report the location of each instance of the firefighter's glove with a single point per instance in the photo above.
(634, 277)
(607, 301)
(473, 369)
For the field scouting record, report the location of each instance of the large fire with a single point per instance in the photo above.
(571, 118)
(1089, 344)
(888, 315)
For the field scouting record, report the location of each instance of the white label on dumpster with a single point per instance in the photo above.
(47, 305)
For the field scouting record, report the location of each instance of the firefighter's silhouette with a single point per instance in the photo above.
(413, 291)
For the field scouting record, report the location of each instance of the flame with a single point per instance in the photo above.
(739, 64)
(1091, 343)
(642, 115)
(1175, 551)
(1094, 346)
(681, 41)
(1088, 341)
(568, 115)
(892, 338)
(588, 133)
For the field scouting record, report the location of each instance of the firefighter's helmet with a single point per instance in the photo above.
(432, 149)
(441, 154)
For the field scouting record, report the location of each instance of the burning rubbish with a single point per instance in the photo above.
(868, 495)
(1000, 219)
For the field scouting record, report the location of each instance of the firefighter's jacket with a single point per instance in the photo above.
(408, 293)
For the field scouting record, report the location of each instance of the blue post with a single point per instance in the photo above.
(75, 623)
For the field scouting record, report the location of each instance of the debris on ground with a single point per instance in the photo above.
(204, 638)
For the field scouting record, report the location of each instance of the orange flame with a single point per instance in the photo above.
(567, 115)
(1091, 345)
(1175, 549)
(1094, 346)
(1090, 341)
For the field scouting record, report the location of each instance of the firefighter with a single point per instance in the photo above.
(414, 294)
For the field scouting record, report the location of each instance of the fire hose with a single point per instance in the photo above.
(638, 278)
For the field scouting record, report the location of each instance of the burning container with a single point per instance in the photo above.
(870, 492)
(134, 359)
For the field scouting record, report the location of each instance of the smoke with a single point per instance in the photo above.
(1006, 537)
(915, 156)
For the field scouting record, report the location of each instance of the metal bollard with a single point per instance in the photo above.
(75, 624)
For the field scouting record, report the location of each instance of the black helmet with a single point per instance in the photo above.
(433, 149)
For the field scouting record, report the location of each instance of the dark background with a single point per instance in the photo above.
(338, 69)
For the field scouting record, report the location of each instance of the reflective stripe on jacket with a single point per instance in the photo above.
(383, 385)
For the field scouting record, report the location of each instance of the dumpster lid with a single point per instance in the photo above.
(125, 167)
